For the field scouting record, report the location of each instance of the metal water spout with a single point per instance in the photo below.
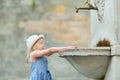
(87, 6)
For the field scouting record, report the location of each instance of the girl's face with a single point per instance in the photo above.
(39, 44)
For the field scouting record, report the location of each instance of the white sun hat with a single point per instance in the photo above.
(32, 39)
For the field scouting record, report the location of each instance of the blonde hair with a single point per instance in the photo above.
(28, 55)
(29, 51)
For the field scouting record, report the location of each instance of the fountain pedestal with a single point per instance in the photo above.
(100, 63)
(113, 72)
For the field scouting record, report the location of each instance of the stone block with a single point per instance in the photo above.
(113, 72)
(115, 50)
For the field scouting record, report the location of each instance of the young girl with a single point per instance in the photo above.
(37, 59)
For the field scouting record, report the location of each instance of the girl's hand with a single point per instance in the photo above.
(71, 47)
(66, 48)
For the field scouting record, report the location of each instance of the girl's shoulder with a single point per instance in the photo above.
(34, 52)
(32, 59)
(33, 55)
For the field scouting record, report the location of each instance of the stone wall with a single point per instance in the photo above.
(15, 17)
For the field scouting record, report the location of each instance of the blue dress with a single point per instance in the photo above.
(39, 69)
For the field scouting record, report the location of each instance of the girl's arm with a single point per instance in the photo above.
(47, 52)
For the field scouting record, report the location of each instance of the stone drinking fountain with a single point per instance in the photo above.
(100, 61)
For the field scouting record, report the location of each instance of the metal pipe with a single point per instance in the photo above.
(87, 6)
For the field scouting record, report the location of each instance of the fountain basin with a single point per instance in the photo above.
(91, 62)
